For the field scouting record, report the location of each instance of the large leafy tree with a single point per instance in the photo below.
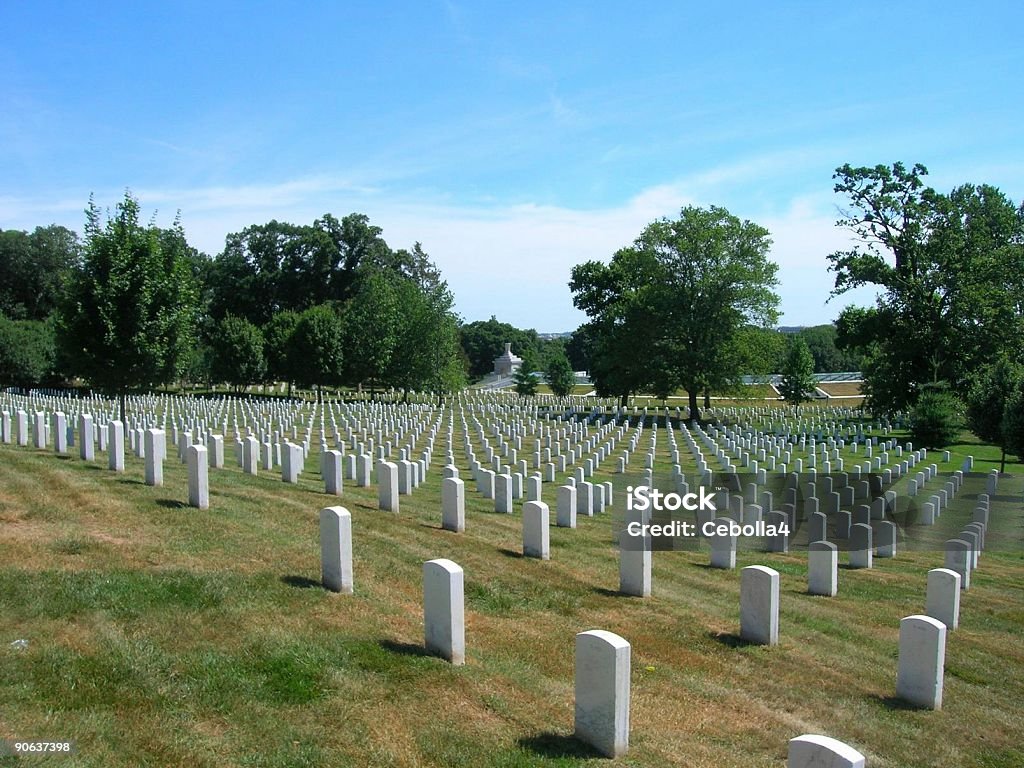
(797, 384)
(667, 312)
(129, 314)
(34, 270)
(371, 322)
(277, 266)
(27, 352)
(828, 358)
(279, 336)
(559, 373)
(237, 353)
(318, 344)
(426, 353)
(987, 400)
(950, 272)
(1013, 422)
(525, 380)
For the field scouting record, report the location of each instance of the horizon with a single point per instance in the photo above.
(512, 143)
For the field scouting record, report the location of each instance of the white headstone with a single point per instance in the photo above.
(333, 482)
(154, 457)
(921, 661)
(336, 549)
(822, 569)
(453, 504)
(443, 610)
(115, 445)
(536, 520)
(566, 511)
(942, 599)
(759, 605)
(813, 751)
(602, 691)
(86, 449)
(387, 486)
(198, 483)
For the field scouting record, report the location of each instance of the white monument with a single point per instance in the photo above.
(507, 363)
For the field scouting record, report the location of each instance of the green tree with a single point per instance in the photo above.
(426, 355)
(129, 313)
(986, 403)
(797, 384)
(666, 312)
(949, 269)
(559, 374)
(936, 420)
(484, 340)
(237, 353)
(27, 353)
(579, 348)
(1013, 422)
(822, 340)
(318, 343)
(283, 364)
(371, 321)
(525, 381)
(34, 270)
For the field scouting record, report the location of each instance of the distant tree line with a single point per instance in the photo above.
(132, 305)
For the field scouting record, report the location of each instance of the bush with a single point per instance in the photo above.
(936, 420)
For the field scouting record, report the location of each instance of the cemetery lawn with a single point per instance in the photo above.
(161, 635)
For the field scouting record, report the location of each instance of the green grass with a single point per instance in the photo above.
(161, 635)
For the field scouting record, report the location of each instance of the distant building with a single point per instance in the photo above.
(507, 363)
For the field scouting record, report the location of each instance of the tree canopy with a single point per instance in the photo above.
(797, 385)
(666, 312)
(950, 269)
(128, 317)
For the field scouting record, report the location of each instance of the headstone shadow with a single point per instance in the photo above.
(404, 649)
(300, 582)
(730, 639)
(557, 745)
(171, 503)
(895, 703)
(509, 552)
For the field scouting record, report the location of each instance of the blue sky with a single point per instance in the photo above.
(512, 140)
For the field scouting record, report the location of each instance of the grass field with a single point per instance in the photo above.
(161, 635)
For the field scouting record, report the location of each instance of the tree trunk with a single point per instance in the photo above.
(124, 407)
(707, 399)
(694, 408)
(1002, 460)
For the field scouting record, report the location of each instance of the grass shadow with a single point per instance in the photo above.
(730, 640)
(404, 649)
(300, 582)
(557, 745)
